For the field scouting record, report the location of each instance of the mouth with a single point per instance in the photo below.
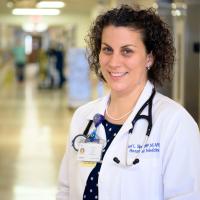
(118, 74)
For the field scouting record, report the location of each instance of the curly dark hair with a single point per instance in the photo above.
(155, 32)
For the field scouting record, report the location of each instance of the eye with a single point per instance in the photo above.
(106, 50)
(127, 51)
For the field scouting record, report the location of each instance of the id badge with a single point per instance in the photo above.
(90, 152)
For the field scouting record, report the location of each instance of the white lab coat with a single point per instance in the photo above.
(168, 170)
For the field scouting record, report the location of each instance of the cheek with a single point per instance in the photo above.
(102, 60)
(137, 64)
(130, 64)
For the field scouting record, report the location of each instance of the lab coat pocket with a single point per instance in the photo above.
(142, 181)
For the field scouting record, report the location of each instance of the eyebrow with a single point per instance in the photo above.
(127, 45)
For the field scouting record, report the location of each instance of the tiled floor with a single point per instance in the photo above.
(33, 134)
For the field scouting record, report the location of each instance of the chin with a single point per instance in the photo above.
(118, 88)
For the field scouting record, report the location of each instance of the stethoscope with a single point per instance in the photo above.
(99, 118)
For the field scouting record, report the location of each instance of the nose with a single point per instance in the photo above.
(115, 60)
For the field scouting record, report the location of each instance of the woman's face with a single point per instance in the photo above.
(123, 58)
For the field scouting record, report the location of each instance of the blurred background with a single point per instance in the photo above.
(44, 77)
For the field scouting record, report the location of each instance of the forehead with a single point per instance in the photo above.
(122, 34)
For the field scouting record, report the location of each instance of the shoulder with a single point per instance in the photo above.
(89, 107)
(172, 117)
(170, 108)
(88, 110)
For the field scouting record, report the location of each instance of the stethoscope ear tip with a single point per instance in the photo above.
(136, 161)
(115, 159)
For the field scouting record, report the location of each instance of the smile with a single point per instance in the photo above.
(118, 74)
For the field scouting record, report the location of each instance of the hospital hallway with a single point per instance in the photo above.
(50, 41)
(33, 134)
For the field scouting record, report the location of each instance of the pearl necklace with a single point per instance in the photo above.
(117, 119)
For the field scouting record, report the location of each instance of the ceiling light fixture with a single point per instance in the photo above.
(50, 4)
(35, 11)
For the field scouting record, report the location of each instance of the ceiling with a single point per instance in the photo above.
(72, 6)
(77, 6)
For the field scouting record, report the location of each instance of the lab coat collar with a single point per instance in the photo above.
(101, 106)
(146, 93)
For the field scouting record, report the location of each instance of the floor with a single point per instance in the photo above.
(33, 133)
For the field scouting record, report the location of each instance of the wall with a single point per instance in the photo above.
(192, 61)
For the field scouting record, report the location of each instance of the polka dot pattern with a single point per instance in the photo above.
(91, 188)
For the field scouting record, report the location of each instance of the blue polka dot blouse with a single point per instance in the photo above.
(91, 188)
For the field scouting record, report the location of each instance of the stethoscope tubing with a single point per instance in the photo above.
(137, 117)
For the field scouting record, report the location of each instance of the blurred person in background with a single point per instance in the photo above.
(135, 143)
(19, 57)
(43, 68)
(59, 55)
(56, 64)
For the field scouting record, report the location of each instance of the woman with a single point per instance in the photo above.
(141, 144)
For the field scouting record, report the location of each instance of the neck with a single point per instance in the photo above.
(120, 106)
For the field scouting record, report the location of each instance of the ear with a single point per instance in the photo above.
(150, 59)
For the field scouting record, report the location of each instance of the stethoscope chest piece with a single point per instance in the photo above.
(78, 140)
